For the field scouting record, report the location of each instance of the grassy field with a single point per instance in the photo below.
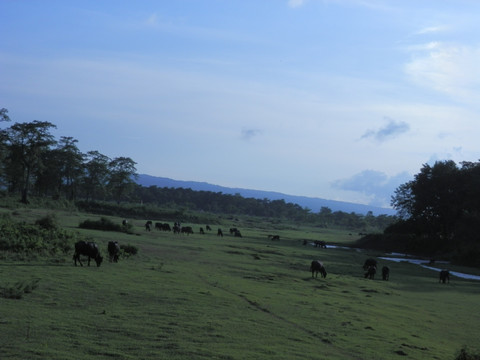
(207, 297)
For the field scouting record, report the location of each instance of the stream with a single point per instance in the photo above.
(421, 262)
(426, 264)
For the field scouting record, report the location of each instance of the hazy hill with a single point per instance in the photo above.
(315, 204)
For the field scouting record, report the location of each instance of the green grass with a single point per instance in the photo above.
(206, 297)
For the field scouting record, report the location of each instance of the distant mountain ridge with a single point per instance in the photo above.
(315, 204)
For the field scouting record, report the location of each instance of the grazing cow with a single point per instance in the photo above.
(371, 271)
(89, 249)
(158, 226)
(201, 231)
(368, 263)
(237, 233)
(208, 228)
(166, 227)
(186, 230)
(444, 276)
(148, 225)
(274, 237)
(321, 244)
(317, 267)
(124, 222)
(176, 229)
(219, 232)
(233, 231)
(385, 273)
(113, 251)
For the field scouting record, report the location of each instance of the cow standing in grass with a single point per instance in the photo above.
(370, 273)
(317, 267)
(444, 276)
(368, 263)
(385, 273)
(89, 249)
(113, 251)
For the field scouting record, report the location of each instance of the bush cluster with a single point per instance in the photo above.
(43, 237)
(104, 224)
(129, 250)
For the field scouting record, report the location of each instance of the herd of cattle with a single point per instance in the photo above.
(91, 251)
(370, 268)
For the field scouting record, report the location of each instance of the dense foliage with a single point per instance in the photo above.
(439, 212)
(33, 162)
(42, 238)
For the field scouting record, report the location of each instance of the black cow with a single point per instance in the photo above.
(368, 263)
(113, 251)
(444, 276)
(148, 225)
(158, 226)
(317, 267)
(321, 244)
(233, 231)
(220, 232)
(237, 233)
(201, 231)
(166, 227)
(371, 271)
(208, 228)
(89, 249)
(186, 230)
(176, 229)
(385, 273)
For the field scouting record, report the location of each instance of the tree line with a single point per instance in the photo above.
(439, 213)
(34, 163)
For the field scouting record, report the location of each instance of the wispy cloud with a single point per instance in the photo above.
(248, 134)
(374, 184)
(448, 68)
(431, 30)
(152, 20)
(296, 3)
(389, 131)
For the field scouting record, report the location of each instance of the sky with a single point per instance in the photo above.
(336, 99)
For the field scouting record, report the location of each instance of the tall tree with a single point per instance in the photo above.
(26, 142)
(432, 199)
(121, 172)
(96, 175)
(72, 165)
(3, 142)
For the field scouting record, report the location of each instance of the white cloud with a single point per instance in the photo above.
(296, 3)
(376, 185)
(152, 20)
(431, 30)
(447, 68)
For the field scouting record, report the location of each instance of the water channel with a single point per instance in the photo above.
(397, 257)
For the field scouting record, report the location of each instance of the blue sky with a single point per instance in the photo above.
(337, 99)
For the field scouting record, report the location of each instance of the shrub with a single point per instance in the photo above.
(23, 238)
(129, 249)
(48, 222)
(105, 224)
